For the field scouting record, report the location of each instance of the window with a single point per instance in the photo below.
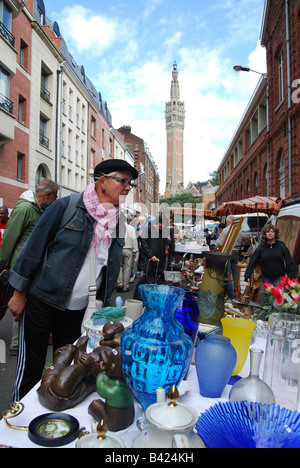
(40, 175)
(6, 23)
(21, 167)
(93, 128)
(256, 184)
(24, 55)
(282, 177)
(5, 15)
(280, 77)
(5, 103)
(22, 110)
(44, 141)
(45, 94)
(254, 127)
(4, 83)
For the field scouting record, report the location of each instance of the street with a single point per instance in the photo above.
(8, 368)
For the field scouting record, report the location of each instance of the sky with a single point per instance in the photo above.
(128, 48)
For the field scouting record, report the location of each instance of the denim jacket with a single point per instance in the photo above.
(52, 257)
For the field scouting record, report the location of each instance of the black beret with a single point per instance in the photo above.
(114, 165)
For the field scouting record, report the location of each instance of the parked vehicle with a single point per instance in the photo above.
(288, 222)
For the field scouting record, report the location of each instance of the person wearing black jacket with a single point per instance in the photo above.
(273, 257)
(154, 247)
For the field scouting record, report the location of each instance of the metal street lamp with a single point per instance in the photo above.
(239, 68)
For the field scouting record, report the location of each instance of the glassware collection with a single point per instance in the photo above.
(140, 366)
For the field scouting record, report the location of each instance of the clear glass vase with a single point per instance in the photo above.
(252, 388)
(282, 359)
(155, 350)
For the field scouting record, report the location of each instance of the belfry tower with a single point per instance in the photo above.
(175, 115)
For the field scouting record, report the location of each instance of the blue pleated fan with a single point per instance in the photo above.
(249, 425)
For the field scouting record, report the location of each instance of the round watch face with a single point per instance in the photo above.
(53, 429)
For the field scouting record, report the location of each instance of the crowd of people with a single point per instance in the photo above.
(55, 251)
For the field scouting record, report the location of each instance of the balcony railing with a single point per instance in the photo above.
(6, 104)
(7, 35)
(45, 93)
(44, 141)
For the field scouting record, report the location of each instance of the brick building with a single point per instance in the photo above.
(53, 122)
(147, 192)
(15, 71)
(263, 156)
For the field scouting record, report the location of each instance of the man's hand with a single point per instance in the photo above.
(154, 259)
(17, 304)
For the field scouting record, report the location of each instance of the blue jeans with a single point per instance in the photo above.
(275, 282)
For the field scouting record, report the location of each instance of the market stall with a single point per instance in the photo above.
(157, 382)
(250, 205)
(190, 396)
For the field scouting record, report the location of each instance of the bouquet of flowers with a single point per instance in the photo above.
(283, 298)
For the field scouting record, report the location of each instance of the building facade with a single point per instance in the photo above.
(244, 169)
(15, 94)
(175, 118)
(263, 156)
(53, 122)
(147, 191)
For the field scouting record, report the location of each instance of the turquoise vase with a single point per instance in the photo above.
(215, 360)
(155, 350)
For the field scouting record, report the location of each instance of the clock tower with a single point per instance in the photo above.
(175, 116)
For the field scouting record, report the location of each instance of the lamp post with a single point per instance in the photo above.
(240, 68)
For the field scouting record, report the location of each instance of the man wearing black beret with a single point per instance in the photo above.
(60, 260)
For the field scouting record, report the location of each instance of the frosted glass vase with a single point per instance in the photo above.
(215, 359)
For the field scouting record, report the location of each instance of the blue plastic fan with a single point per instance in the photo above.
(249, 425)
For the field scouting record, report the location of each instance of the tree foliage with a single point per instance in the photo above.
(182, 199)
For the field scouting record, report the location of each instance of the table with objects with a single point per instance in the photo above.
(189, 395)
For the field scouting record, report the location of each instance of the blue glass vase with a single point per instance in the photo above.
(155, 350)
(215, 360)
(187, 313)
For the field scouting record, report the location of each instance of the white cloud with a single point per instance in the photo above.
(91, 32)
(215, 99)
(174, 40)
(137, 87)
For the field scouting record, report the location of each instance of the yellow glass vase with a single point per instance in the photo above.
(239, 331)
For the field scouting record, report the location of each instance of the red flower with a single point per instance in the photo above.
(295, 296)
(268, 286)
(286, 282)
(295, 282)
(277, 293)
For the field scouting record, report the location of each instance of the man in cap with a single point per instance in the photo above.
(30, 206)
(55, 282)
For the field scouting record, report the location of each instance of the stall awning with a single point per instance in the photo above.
(250, 205)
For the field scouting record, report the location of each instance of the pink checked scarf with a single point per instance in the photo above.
(106, 219)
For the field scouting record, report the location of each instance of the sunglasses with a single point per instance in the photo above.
(124, 181)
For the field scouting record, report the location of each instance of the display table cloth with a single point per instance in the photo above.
(33, 408)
